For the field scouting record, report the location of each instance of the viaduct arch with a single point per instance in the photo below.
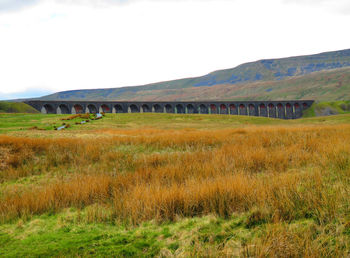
(290, 109)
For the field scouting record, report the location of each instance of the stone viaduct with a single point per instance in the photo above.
(276, 109)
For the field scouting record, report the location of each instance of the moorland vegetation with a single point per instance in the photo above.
(191, 185)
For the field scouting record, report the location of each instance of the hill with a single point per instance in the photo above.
(324, 76)
(16, 107)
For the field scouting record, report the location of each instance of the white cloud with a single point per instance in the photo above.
(337, 6)
(70, 46)
(13, 5)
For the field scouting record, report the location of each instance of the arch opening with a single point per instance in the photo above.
(63, 109)
(213, 109)
(280, 110)
(233, 109)
(92, 109)
(242, 110)
(157, 108)
(223, 109)
(289, 111)
(263, 110)
(169, 108)
(78, 109)
(118, 108)
(203, 109)
(47, 109)
(105, 108)
(134, 109)
(297, 110)
(251, 109)
(271, 110)
(180, 109)
(145, 108)
(190, 109)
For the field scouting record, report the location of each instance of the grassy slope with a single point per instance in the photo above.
(321, 86)
(324, 77)
(328, 108)
(16, 107)
(72, 232)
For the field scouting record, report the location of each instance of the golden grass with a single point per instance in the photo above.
(281, 173)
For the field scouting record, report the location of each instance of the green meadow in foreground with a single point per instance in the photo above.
(168, 185)
(22, 123)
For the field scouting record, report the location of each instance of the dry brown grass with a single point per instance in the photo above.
(84, 116)
(140, 175)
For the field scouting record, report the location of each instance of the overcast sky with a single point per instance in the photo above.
(54, 45)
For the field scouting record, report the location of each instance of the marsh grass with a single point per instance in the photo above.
(275, 176)
(286, 171)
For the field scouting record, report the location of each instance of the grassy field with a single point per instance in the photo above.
(174, 186)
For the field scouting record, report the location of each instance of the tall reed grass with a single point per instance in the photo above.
(278, 174)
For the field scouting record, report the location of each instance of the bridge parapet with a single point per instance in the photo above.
(290, 109)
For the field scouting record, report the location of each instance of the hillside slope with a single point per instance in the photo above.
(14, 107)
(324, 76)
(328, 108)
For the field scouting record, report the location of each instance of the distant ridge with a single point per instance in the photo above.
(324, 76)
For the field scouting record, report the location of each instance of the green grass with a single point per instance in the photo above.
(16, 107)
(328, 108)
(69, 234)
(23, 122)
(15, 123)
(65, 235)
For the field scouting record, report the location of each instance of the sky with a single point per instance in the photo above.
(48, 46)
